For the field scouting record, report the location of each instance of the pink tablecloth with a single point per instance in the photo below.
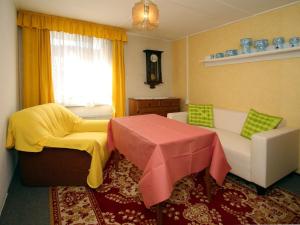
(166, 150)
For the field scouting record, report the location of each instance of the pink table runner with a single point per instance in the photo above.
(166, 151)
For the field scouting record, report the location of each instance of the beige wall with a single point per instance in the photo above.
(8, 89)
(135, 65)
(271, 86)
(179, 83)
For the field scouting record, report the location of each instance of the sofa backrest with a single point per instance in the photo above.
(44, 120)
(223, 119)
(233, 120)
(229, 120)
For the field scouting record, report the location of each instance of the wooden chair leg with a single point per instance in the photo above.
(207, 181)
(117, 158)
(159, 214)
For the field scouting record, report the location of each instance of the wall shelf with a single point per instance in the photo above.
(272, 54)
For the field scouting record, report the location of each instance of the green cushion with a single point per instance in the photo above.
(201, 115)
(257, 122)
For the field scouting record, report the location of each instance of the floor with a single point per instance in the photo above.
(25, 205)
(30, 206)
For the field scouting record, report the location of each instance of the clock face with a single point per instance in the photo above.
(153, 58)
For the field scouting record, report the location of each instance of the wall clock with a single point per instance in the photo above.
(153, 67)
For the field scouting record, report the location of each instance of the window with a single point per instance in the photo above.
(81, 69)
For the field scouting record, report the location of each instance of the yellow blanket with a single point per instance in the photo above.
(52, 125)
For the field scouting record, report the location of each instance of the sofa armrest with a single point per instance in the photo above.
(91, 126)
(179, 116)
(274, 154)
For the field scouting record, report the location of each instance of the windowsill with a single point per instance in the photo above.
(94, 112)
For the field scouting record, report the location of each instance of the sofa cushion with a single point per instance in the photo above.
(237, 150)
(257, 122)
(91, 138)
(229, 120)
(201, 115)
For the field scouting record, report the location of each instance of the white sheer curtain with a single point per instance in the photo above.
(81, 69)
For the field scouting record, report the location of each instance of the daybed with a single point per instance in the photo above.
(57, 147)
(264, 159)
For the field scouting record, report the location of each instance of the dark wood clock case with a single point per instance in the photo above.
(153, 67)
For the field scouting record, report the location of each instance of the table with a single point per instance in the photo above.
(166, 150)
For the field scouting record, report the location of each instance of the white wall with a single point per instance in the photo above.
(8, 89)
(135, 66)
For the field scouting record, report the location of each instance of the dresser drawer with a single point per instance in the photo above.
(169, 102)
(172, 109)
(148, 111)
(153, 106)
(147, 103)
(158, 110)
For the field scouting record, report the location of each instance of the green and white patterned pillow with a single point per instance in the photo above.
(201, 115)
(257, 122)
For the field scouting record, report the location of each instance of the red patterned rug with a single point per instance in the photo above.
(118, 202)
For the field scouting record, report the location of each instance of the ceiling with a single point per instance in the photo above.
(178, 18)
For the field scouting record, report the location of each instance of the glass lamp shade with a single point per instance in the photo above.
(145, 15)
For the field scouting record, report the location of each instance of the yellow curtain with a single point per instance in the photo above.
(37, 77)
(37, 83)
(118, 79)
(72, 26)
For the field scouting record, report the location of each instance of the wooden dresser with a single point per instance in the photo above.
(160, 106)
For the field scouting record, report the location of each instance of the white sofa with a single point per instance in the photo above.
(264, 159)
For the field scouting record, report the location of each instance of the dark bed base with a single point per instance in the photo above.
(54, 167)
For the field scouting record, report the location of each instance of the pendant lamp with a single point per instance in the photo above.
(145, 15)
